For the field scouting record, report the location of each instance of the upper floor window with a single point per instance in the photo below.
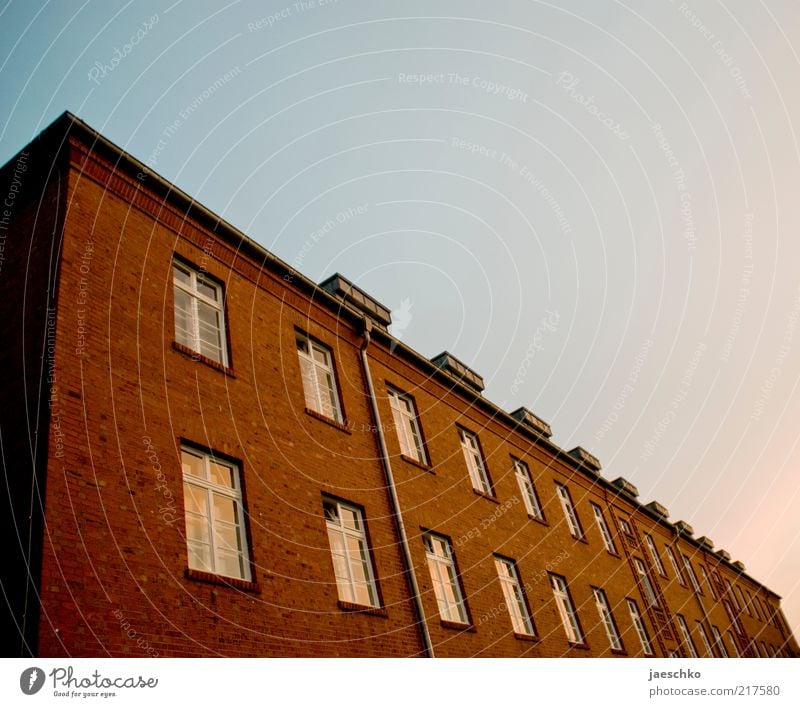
(215, 535)
(651, 548)
(608, 541)
(647, 585)
(708, 581)
(607, 617)
(690, 573)
(199, 313)
(704, 637)
(641, 629)
(352, 566)
(675, 568)
(446, 586)
(569, 511)
(527, 489)
(476, 466)
(319, 379)
(406, 421)
(687, 637)
(566, 609)
(734, 648)
(514, 598)
(720, 643)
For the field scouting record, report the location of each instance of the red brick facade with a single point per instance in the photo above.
(107, 551)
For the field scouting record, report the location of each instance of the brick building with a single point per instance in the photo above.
(207, 454)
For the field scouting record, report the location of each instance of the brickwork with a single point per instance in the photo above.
(114, 574)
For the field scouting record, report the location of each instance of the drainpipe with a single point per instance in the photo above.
(395, 502)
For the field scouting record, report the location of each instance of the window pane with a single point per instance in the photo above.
(221, 474)
(181, 275)
(184, 329)
(195, 499)
(206, 289)
(196, 528)
(199, 556)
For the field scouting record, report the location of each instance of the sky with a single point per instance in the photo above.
(593, 204)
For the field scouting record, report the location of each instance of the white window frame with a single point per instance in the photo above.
(653, 550)
(605, 531)
(444, 576)
(675, 567)
(607, 619)
(320, 387)
(473, 458)
(566, 609)
(641, 629)
(191, 339)
(527, 488)
(732, 641)
(649, 591)
(704, 636)
(695, 584)
(350, 567)
(209, 489)
(709, 582)
(723, 651)
(571, 515)
(514, 598)
(406, 421)
(687, 636)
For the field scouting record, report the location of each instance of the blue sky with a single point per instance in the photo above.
(594, 205)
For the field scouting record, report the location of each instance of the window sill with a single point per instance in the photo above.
(579, 646)
(614, 554)
(457, 626)
(199, 358)
(580, 539)
(526, 637)
(328, 420)
(417, 463)
(619, 651)
(363, 609)
(231, 582)
(487, 496)
(542, 521)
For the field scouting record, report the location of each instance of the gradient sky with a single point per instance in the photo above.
(593, 204)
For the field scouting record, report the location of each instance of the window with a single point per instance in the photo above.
(474, 459)
(569, 511)
(651, 548)
(641, 630)
(732, 594)
(212, 496)
(319, 381)
(604, 610)
(352, 567)
(719, 642)
(704, 637)
(527, 489)
(692, 576)
(708, 581)
(732, 642)
(752, 601)
(675, 568)
(626, 527)
(608, 541)
(763, 648)
(644, 579)
(409, 435)
(569, 617)
(687, 638)
(446, 587)
(514, 598)
(199, 316)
